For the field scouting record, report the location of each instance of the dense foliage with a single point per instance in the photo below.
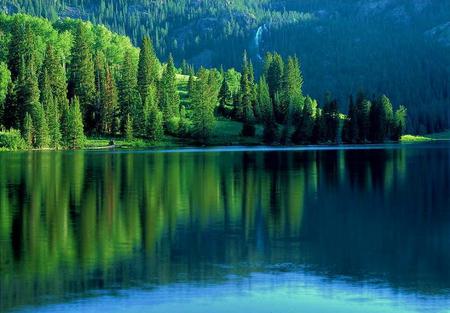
(399, 47)
(63, 80)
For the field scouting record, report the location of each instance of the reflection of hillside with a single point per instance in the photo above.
(73, 222)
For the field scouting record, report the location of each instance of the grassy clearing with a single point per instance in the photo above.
(225, 133)
(413, 139)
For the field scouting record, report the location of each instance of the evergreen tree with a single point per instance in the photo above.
(319, 135)
(54, 68)
(129, 97)
(169, 99)
(265, 106)
(225, 99)
(54, 125)
(331, 121)
(305, 127)
(51, 110)
(203, 107)
(5, 81)
(26, 90)
(350, 130)
(148, 67)
(40, 126)
(27, 131)
(292, 95)
(399, 124)
(21, 46)
(74, 129)
(153, 116)
(109, 104)
(275, 74)
(363, 117)
(82, 77)
(381, 119)
(247, 100)
(11, 116)
(129, 132)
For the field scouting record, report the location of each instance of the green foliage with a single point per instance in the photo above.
(304, 130)
(82, 75)
(27, 131)
(129, 97)
(5, 80)
(169, 99)
(73, 127)
(148, 67)
(120, 89)
(203, 105)
(12, 140)
(225, 99)
(129, 132)
(154, 118)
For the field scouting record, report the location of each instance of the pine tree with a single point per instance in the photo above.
(100, 81)
(381, 119)
(51, 110)
(129, 132)
(225, 99)
(305, 127)
(203, 107)
(350, 130)
(363, 117)
(153, 117)
(331, 121)
(399, 125)
(129, 98)
(21, 46)
(82, 77)
(5, 80)
(54, 68)
(109, 104)
(169, 99)
(40, 126)
(27, 130)
(74, 128)
(148, 67)
(247, 98)
(275, 74)
(292, 96)
(26, 89)
(54, 125)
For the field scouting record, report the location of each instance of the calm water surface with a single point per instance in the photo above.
(348, 230)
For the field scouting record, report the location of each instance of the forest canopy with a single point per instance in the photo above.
(64, 80)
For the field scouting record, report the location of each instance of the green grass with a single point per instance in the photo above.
(225, 133)
(228, 132)
(412, 139)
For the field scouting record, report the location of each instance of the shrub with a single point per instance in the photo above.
(173, 126)
(12, 140)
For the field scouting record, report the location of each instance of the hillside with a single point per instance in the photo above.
(403, 44)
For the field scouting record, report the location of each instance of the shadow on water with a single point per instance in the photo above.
(75, 222)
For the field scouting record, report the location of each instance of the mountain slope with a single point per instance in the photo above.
(396, 46)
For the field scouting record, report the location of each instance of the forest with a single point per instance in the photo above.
(63, 81)
(397, 47)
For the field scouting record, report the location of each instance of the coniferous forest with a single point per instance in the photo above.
(66, 80)
(396, 47)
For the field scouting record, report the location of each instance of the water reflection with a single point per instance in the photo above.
(74, 222)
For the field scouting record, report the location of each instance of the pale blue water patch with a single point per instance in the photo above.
(262, 293)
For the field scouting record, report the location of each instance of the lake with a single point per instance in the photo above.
(362, 229)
